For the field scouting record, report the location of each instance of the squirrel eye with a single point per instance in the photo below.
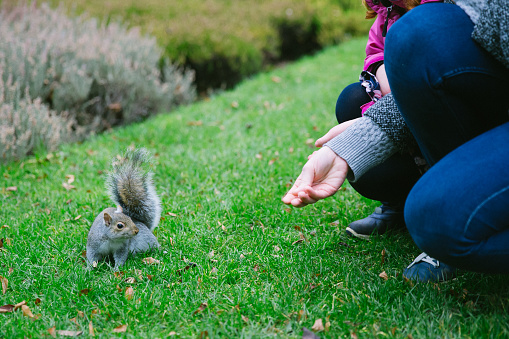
(120, 225)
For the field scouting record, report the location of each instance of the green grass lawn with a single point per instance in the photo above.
(221, 168)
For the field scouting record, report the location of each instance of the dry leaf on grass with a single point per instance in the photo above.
(91, 329)
(7, 308)
(5, 284)
(384, 276)
(26, 311)
(11, 188)
(52, 331)
(151, 261)
(302, 238)
(18, 305)
(244, 318)
(70, 178)
(68, 186)
(84, 291)
(318, 325)
(201, 308)
(195, 123)
(172, 333)
(120, 329)
(129, 293)
(171, 214)
(383, 256)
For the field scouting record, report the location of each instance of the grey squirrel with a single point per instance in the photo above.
(128, 228)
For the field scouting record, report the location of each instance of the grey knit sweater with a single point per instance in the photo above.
(382, 131)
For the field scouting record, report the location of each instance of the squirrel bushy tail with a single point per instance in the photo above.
(130, 186)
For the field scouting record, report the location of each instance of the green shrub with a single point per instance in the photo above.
(99, 75)
(225, 41)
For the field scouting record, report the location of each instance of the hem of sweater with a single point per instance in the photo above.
(363, 146)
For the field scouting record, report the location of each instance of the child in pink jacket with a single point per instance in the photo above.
(388, 181)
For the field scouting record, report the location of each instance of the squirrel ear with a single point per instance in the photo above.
(119, 209)
(107, 219)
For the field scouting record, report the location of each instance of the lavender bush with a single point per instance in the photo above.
(63, 78)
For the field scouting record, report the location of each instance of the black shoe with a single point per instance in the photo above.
(385, 217)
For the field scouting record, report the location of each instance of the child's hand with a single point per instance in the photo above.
(334, 132)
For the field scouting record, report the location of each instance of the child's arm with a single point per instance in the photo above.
(381, 76)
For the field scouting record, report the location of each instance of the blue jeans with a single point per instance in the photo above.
(453, 97)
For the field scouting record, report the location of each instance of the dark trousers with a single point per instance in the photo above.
(390, 181)
(453, 97)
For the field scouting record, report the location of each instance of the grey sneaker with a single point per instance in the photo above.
(427, 269)
(385, 217)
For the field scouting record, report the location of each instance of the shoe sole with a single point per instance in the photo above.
(352, 233)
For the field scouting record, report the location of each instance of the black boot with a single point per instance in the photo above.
(385, 217)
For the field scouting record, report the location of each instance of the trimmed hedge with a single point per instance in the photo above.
(225, 41)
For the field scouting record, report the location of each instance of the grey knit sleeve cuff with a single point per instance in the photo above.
(363, 146)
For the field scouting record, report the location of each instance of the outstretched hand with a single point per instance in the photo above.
(321, 177)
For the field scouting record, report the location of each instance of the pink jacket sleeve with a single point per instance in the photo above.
(375, 45)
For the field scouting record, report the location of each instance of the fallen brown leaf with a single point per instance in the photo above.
(18, 305)
(129, 293)
(384, 276)
(150, 261)
(52, 331)
(244, 318)
(37, 301)
(84, 291)
(5, 284)
(201, 308)
(276, 79)
(7, 308)
(172, 333)
(91, 329)
(383, 256)
(130, 280)
(195, 123)
(120, 329)
(75, 322)
(68, 186)
(26, 311)
(318, 325)
(171, 214)
(11, 188)
(70, 178)
(81, 314)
